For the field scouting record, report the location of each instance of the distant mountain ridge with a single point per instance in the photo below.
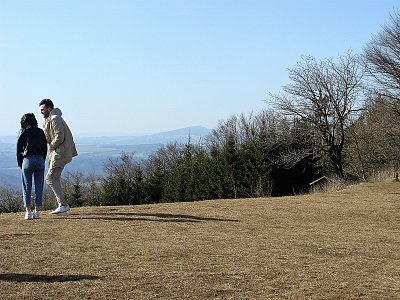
(180, 135)
(94, 152)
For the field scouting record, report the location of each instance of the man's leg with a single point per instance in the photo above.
(53, 179)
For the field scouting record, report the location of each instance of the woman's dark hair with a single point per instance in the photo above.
(28, 120)
(47, 103)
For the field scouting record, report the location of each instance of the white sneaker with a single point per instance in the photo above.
(28, 215)
(61, 209)
(36, 215)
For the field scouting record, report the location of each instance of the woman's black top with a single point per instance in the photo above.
(31, 141)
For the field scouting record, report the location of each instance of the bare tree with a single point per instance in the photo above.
(74, 185)
(10, 199)
(94, 188)
(382, 58)
(324, 94)
(374, 141)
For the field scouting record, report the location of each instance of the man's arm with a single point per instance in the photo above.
(58, 128)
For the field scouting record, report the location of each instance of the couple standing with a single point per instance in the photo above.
(32, 152)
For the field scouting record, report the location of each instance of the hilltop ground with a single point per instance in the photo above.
(339, 245)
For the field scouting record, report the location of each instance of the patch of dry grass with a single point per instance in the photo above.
(339, 245)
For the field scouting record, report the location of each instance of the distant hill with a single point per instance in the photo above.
(181, 135)
(94, 152)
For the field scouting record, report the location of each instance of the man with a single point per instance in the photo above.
(61, 147)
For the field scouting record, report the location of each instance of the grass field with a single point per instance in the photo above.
(339, 245)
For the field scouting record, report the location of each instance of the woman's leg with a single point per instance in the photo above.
(26, 173)
(39, 181)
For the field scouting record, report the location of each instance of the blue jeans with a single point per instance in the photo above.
(33, 165)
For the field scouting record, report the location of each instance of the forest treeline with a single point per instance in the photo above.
(336, 118)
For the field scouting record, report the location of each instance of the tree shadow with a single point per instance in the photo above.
(105, 218)
(13, 235)
(14, 277)
(175, 216)
(161, 217)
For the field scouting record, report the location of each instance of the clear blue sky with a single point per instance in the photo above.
(145, 66)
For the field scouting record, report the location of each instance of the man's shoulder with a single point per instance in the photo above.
(55, 117)
(56, 120)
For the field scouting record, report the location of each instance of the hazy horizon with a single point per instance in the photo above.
(93, 151)
(115, 134)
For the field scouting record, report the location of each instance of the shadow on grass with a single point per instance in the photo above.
(13, 277)
(114, 216)
(12, 235)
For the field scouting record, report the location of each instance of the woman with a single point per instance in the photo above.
(31, 156)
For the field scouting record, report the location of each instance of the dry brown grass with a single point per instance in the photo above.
(339, 245)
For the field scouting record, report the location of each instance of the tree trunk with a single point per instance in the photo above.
(336, 157)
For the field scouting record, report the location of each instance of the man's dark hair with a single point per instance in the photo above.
(47, 103)
(28, 120)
